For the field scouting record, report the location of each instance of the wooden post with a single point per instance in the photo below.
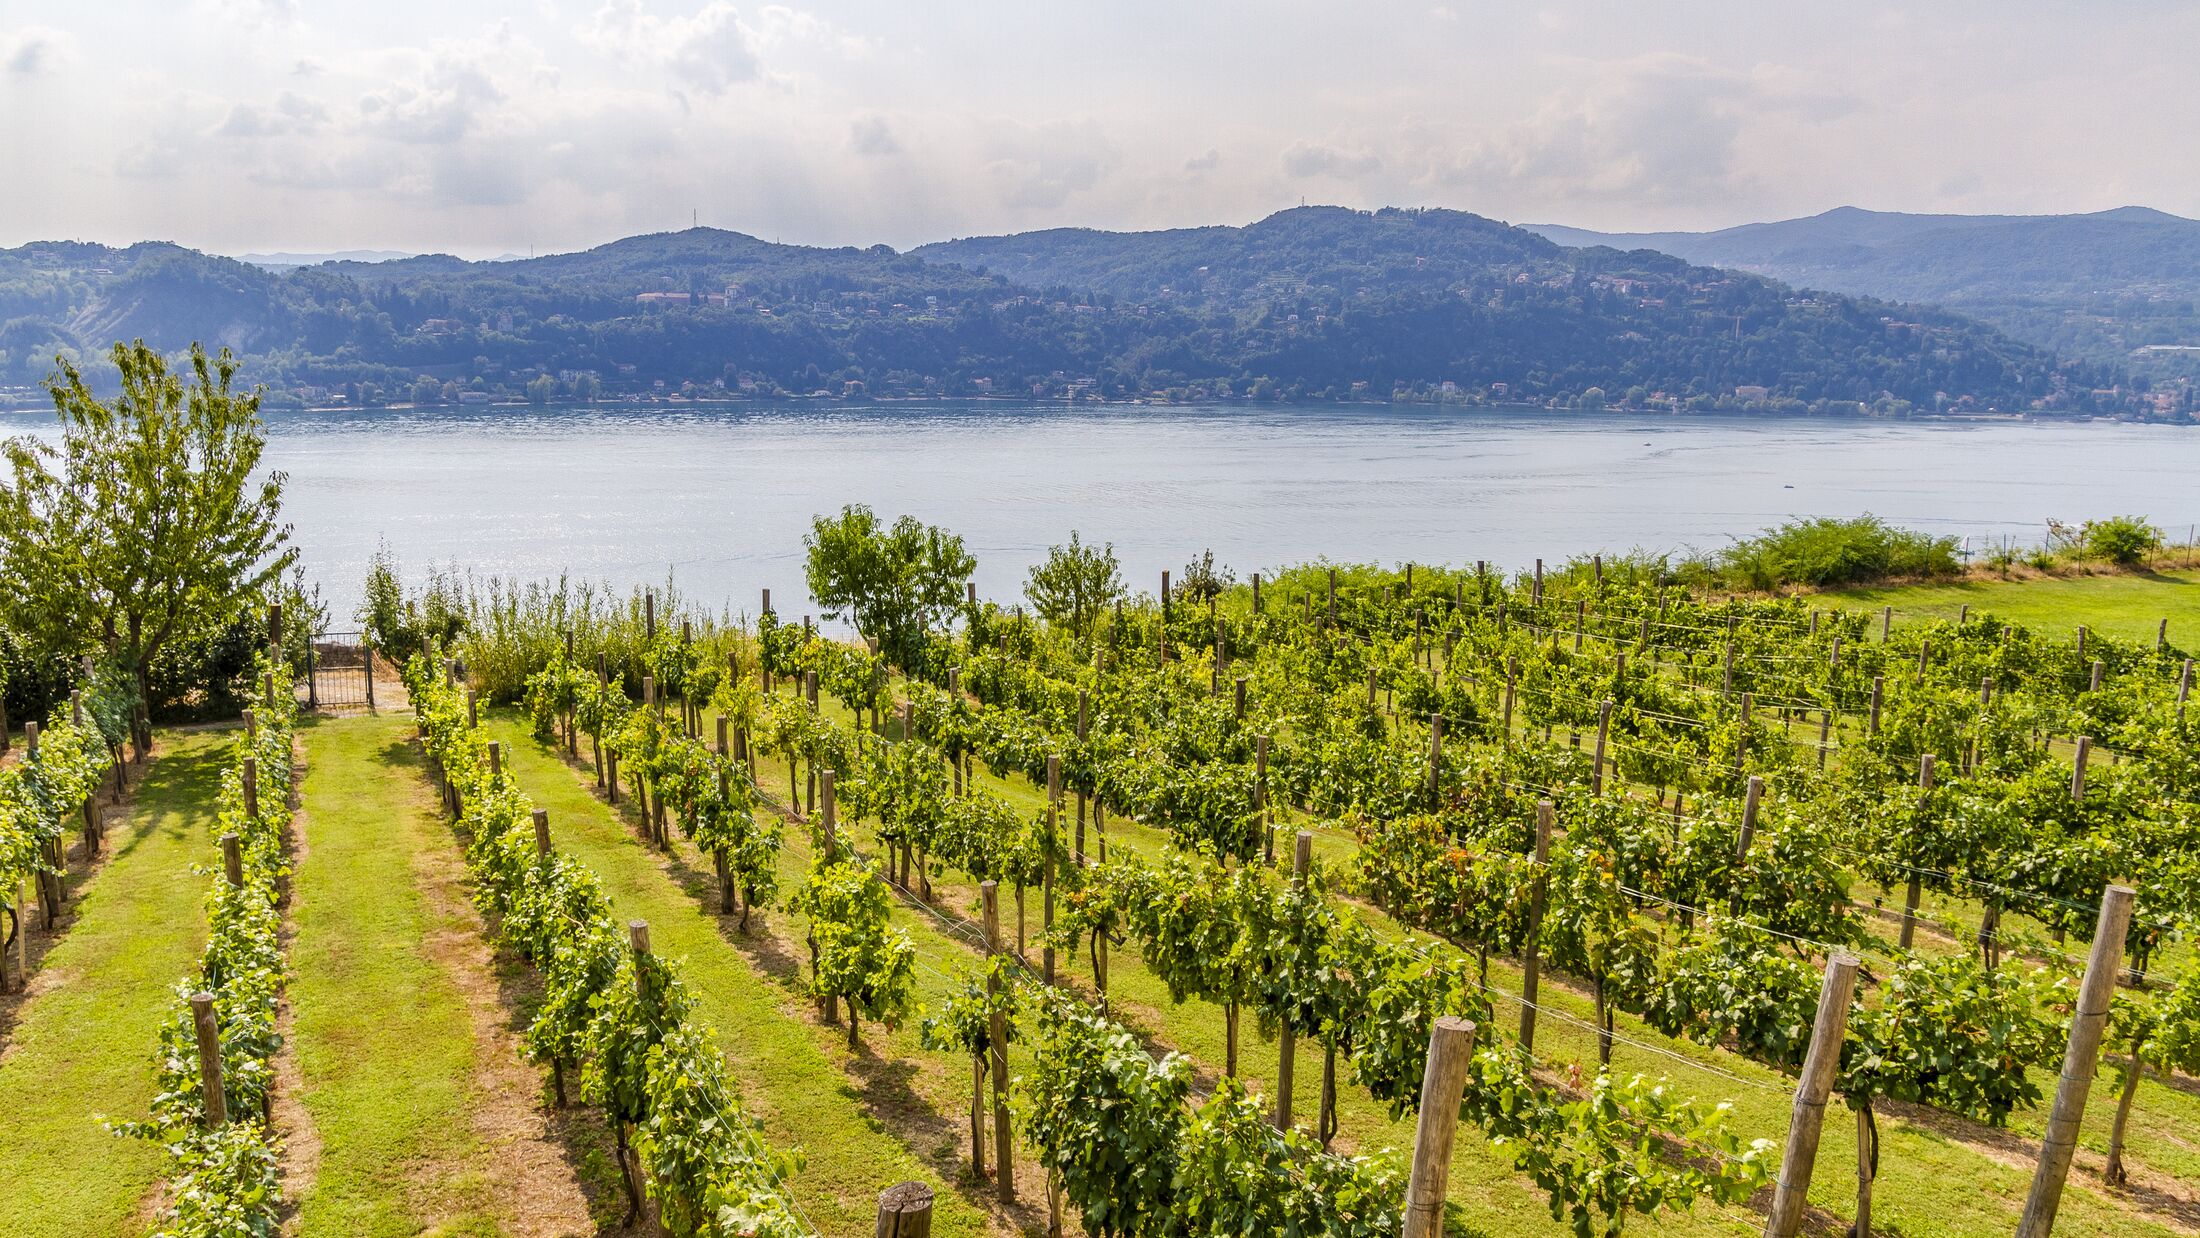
(1750, 798)
(1879, 688)
(1256, 596)
(2077, 769)
(905, 1211)
(1531, 962)
(232, 861)
(1539, 582)
(828, 810)
(1886, 623)
(2087, 1023)
(1604, 726)
(1260, 800)
(2081, 642)
(1916, 889)
(1003, 1165)
(1332, 597)
(542, 833)
(1512, 674)
(496, 760)
(249, 782)
(2161, 634)
(2184, 691)
(1240, 700)
(1046, 876)
(2098, 668)
(1812, 1091)
(1435, 757)
(1443, 1082)
(210, 1060)
(1287, 1047)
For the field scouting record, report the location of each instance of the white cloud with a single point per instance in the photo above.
(1309, 159)
(1206, 161)
(871, 135)
(32, 50)
(251, 13)
(710, 50)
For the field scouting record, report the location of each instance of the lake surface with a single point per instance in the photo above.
(720, 498)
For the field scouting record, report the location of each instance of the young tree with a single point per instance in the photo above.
(1075, 585)
(894, 583)
(145, 526)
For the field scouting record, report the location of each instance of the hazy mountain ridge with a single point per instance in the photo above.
(1308, 303)
(2050, 279)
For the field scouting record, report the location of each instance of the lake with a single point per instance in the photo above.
(720, 497)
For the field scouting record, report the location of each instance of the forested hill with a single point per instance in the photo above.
(1317, 303)
(2103, 286)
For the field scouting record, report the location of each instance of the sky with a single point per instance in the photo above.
(482, 129)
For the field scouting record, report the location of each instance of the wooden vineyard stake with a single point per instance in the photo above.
(1256, 595)
(249, 783)
(2184, 689)
(1604, 726)
(1241, 681)
(232, 861)
(1046, 876)
(2077, 769)
(1792, 1190)
(1443, 1083)
(1879, 688)
(2099, 668)
(2087, 1023)
(1287, 1041)
(1084, 704)
(1260, 801)
(541, 819)
(997, 1034)
(1916, 887)
(1539, 583)
(1512, 675)
(210, 1059)
(905, 1211)
(1886, 623)
(1531, 961)
(1435, 758)
(1332, 597)
(1750, 798)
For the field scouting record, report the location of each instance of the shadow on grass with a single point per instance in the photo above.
(165, 803)
(583, 1139)
(883, 1087)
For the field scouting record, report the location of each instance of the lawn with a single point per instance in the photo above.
(419, 1114)
(84, 1046)
(2126, 605)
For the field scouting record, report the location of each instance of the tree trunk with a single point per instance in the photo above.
(977, 1114)
(626, 1172)
(1229, 1052)
(2114, 1173)
(1867, 1169)
(1326, 1124)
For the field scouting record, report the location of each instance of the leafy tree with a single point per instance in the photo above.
(2123, 540)
(894, 583)
(1075, 584)
(1203, 579)
(145, 525)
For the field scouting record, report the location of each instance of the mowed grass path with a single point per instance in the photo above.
(864, 1121)
(422, 1117)
(85, 1044)
(2130, 606)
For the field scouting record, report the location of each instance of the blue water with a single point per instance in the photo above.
(720, 498)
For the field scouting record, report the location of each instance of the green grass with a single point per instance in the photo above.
(384, 1039)
(2130, 606)
(85, 1043)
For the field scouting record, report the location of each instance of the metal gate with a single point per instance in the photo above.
(339, 672)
